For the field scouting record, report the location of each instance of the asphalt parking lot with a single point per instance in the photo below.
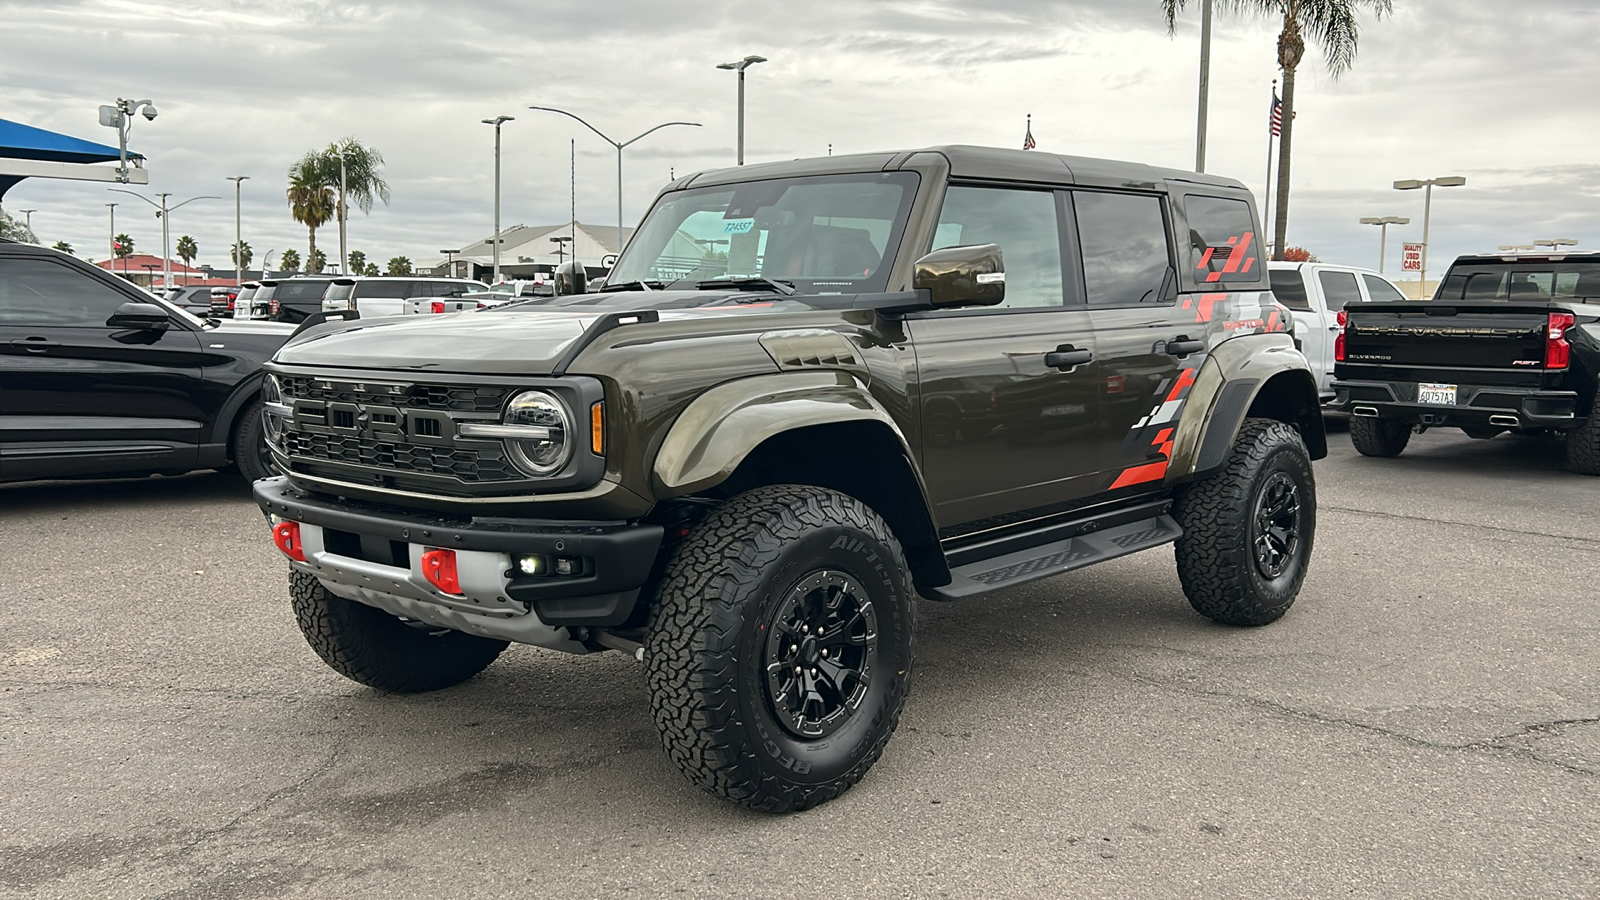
(1425, 722)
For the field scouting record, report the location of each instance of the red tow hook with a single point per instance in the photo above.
(287, 536)
(439, 567)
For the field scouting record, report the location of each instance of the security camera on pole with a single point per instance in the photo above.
(120, 117)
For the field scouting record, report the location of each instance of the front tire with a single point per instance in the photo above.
(1248, 529)
(779, 649)
(367, 645)
(1379, 437)
(1583, 446)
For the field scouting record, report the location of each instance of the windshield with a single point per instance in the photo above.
(1522, 280)
(825, 234)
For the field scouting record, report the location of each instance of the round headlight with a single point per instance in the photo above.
(539, 456)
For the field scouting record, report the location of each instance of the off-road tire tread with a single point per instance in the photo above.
(691, 647)
(1379, 437)
(1583, 445)
(369, 646)
(1215, 514)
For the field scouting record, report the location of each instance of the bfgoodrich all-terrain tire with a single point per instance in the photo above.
(1248, 529)
(1583, 445)
(366, 644)
(1379, 437)
(779, 649)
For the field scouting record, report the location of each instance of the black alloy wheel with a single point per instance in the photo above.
(1277, 525)
(822, 647)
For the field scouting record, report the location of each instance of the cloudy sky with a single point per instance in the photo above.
(1503, 93)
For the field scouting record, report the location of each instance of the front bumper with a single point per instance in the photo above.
(372, 554)
(1476, 406)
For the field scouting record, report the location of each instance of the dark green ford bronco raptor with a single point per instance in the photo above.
(810, 392)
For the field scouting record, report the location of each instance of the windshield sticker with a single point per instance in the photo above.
(738, 226)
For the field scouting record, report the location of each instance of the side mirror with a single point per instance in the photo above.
(962, 276)
(571, 278)
(140, 316)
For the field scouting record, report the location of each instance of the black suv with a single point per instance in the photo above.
(292, 299)
(98, 377)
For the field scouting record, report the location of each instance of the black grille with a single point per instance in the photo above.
(412, 396)
(488, 464)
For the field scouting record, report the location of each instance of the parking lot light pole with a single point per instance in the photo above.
(28, 216)
(164, 213)
(739, 67)
(497, 121)
(1555, 244)
(1383, 240)
(1427, 209)
(113, 208)
(620, 146)
(238, 264)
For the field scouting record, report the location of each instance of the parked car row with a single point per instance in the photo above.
(294, 299)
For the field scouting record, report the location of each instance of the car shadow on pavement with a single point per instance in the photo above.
(184, 490)
(1455, 454)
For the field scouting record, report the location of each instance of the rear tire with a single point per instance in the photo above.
(250, 453)
(366, 644)
(779, 648)
(1583, 446)
(1379, 437)
(1248, 530)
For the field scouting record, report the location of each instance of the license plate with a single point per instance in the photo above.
(1437, 394)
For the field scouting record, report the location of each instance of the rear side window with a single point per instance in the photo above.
(1222, 240)
(381, 290)
(1381, 290)
(1339, 289)
(1124, 241)
(1290, 289)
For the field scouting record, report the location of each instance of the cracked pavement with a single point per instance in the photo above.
(1425, 722)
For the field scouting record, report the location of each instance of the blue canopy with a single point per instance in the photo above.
(19, 141)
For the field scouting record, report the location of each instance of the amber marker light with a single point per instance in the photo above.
(597, 428)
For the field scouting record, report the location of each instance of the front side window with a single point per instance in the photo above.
(40, 292)
(1222, 240)
(823, 234)
(1124, 240)
(1339, 289)
(1024, 225)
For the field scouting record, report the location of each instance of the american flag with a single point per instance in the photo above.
(1027, 138)
(1276, 119)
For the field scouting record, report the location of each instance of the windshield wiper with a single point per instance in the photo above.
(635, 285)
(753, 281)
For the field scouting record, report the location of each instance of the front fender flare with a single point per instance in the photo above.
(725, 424)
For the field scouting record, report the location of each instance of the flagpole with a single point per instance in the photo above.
(1266, 206)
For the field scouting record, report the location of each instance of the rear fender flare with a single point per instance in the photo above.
(725, 424)
(1238, 376)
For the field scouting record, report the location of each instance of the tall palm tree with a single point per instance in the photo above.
(122, 248)
(1332, 25)
(311, 200)
(242, 254)
(363, 180)
(187, 251)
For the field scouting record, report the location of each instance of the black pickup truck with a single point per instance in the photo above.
(1508, 343)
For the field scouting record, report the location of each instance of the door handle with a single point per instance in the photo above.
(1182, 346)
(1065, 358)
(34, 344)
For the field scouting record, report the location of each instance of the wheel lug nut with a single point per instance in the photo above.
(813, 673)
(797, 670)
(794, 648)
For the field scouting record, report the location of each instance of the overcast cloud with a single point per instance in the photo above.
(1499, 92)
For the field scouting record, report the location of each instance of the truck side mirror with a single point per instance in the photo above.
(571, 278)
(140, 317)
(962, 276)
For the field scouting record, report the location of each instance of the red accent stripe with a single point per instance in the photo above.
(1162, 437)
(1141, 474)
(1185, 378)
(1205, 259)
(1207, 301)
(1237, 257)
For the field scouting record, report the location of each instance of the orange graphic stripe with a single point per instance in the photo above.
(1141, 474)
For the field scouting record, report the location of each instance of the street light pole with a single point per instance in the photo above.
(1205, 86)
(497, 121)
(739, 67)
(1383, 239)
(1427, 209)
(344, 214)
(28, 213)
(619, 147)
(164, 215)
(113, 208)
(238, 238)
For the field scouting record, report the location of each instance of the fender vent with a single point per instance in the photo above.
(812, 349)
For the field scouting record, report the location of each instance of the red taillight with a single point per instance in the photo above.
(439, 567)
(437, 306)
(287, 536)
(1557, 352)
(1338, 342)
(272, 308)
(230, 304)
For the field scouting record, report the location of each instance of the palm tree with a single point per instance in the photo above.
(363, 182)
(317, 262)
(311, 200)
(372, 270)
(64, 247)
(399, 265)
(122, 248)
(187, 251)
(241, 254)
(289, 260)
(358, 262)
(1331, 24)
